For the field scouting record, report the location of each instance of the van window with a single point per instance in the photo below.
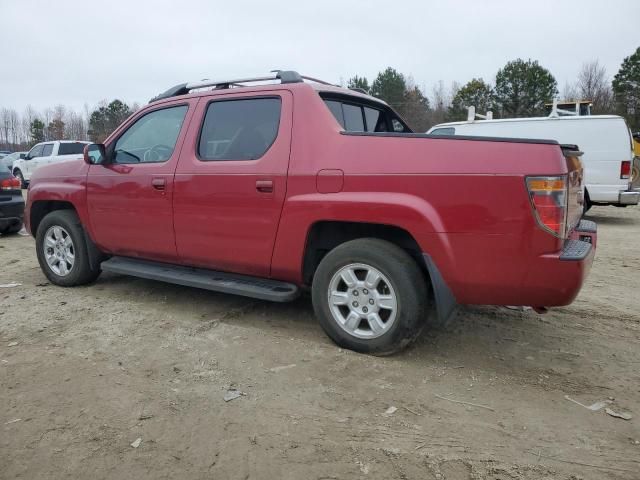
(444, 131)
(239, 129)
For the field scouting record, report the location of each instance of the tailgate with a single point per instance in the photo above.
(575, 185)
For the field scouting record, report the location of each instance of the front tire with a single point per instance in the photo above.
(370, 296)
(62, 250)
(12, 229)
(18, 174)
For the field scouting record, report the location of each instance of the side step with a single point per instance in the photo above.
(262, 288)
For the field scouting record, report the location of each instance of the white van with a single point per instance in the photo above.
(604, 139)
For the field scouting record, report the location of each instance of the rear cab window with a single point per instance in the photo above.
(70, 148)
(355, 114)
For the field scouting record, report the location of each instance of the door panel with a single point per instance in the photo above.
(226, 212)
(130, 202)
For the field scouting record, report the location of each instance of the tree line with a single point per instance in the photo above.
(21, 132)
(520, 89)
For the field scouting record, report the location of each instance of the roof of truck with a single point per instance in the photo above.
(528, 119)
(284, 79)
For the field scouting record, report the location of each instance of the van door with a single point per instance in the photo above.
(231, 181)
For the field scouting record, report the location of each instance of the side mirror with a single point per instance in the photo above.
(94, 154)
(23, 156)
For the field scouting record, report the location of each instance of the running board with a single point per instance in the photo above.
(255, 287)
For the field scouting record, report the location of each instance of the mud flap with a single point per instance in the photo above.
(443, 296)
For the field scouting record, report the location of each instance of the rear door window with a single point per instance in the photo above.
(47, 150)
(239, 129)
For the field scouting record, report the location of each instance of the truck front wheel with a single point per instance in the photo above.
(62, 252)
(370, 296)
(18, 174)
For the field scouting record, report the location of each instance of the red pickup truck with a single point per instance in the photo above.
(268, 186)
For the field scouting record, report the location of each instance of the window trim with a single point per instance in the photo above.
(237, 99)
(143, 113)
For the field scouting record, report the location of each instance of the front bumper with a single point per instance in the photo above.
(629, 197)
(11, 213)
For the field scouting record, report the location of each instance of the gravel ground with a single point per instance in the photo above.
(86, 372)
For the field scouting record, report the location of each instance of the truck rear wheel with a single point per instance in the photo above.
(370, 296)
(62, 250)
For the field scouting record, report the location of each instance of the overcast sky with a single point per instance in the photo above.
(75, 52)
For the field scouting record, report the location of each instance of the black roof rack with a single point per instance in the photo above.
(285, 76)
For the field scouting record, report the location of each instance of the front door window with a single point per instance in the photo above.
(152, 138)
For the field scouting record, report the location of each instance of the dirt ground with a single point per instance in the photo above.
(85, 372)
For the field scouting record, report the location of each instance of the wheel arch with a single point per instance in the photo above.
(323, 236)
(41, 208)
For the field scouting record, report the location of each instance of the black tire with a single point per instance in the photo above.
(18, 174)
(82, 271)
(586, 203)
(406, 279)
(12, 229)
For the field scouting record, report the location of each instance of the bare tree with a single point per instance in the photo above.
(5, 127)
(570, 93)
(593, 84)
(440, 102)
(14, 126)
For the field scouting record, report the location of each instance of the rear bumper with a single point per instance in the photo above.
(629, 197)
(556, 279)
(11, 212)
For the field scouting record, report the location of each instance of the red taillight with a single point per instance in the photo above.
(625, 169)
(549, 201)
(10, 184)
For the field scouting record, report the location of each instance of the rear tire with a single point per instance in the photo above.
(382, 305)
(62, 251)
(587, 203)
(12, 229)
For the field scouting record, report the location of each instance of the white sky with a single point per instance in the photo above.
(75, 52)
